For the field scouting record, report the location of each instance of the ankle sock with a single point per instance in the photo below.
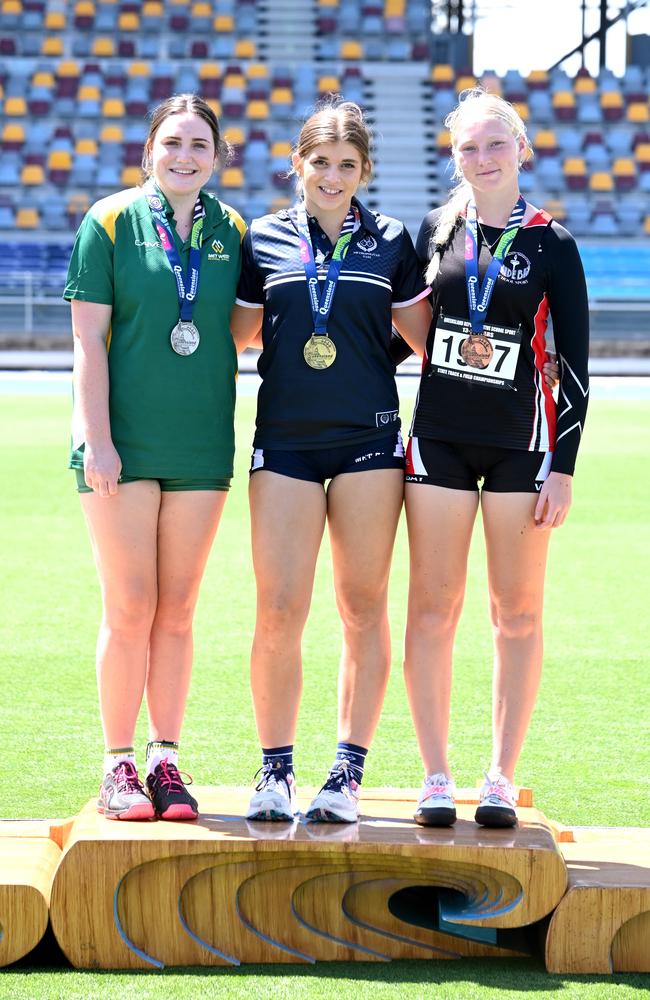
(158, 750)
(354, 755)
(117, 755)
(283, 754)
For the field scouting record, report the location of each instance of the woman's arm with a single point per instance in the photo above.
(246, 327)
(90, 325)
(412, 323)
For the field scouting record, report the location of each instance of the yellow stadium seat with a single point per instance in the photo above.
(111, 133)
(394, 8)
(234, 135)
(13, 132)
(88, 92)
(234, 80)
(113, 107)
(69, 68)
(43, 78)
(546, 139)
(351, 50)
(224, 23)
(86, 147)
(637, 111)
(642, 154)
(139, 69)
(245, 48)
(563, 99)
(522, 110)
(442, 74)
(128, 21)
(103, 46)
(59, 159)
(279, 203)
(257, 71)
(465, 83)
(584, 85)
(574, 166)
(646, 225)
(556, 208)
(15, 107)
(27, 218)
(328, 3)
(611, 99)
(232, 177)
(601, 180)
(538, 78)
(201, 9)
(623, 166)
(257, 110)
(54, 20)
(215, 104)
(11, 7)
(281, 148)
(209, 71)
(443, 141)
(152, 8)
(131, 176)
(52, 45)
(84, 8)
(328, 83)
(78, 202)
(281, 95)
(32, 174)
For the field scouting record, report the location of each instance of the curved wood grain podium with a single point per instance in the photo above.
(223, 891)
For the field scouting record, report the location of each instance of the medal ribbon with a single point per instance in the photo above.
(187, 285)
(478, 298)
(321, 303)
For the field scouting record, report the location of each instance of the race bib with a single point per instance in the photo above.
(493, 367)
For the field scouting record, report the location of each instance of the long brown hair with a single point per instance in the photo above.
(336, 120)
(181, 104)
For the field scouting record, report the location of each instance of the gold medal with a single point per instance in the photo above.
(319, 351)
(184, 338)
(476, 351)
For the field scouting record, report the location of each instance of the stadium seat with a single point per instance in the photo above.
(128, 20)
(575, 173)
(642, 155)
(59, 165)
(601, 180)
(637, 111)
(351, 49)
(328, 84)
(545, 143)
(257, 110)
(245, 48)
(442, 75)
(32, 175)
(624, 173)
(13, 136)
(27, 218)
(281, 101)
(564, 105)
(131, 177)
(15, 107)
(612, 106)
(232, 177)
(538, 79)
(556, 208)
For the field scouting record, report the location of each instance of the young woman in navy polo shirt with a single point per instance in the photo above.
(321, 285)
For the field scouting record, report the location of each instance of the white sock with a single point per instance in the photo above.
(158, 750)
(115, 756)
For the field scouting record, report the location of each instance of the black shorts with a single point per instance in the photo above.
(461, 466)
(315, 465)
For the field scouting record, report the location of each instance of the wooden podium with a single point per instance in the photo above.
(223, 891)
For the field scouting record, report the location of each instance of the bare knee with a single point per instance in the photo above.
(516, 617)
(362, 609)
(435, 619)
(130, 612)
(175, 616)
(280, 613)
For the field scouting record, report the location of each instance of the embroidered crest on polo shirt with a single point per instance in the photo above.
(218, 248)
(515, 268)
(367, 244)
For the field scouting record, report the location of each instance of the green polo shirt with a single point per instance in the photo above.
(171, 416)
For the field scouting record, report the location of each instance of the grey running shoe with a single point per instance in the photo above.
(275, 794)
(121, 795)
(338, 799)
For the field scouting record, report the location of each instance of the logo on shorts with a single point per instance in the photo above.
(386, 417)
(367, 244)
(218, 251)
(515, 268)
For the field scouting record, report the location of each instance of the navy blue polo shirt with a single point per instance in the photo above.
(355, 400)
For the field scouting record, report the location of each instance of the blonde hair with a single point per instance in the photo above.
(474, 103)
(336, 120)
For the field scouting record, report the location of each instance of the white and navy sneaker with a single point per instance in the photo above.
(436, 802)
(275, 794)
(496, 805)
(338, 799)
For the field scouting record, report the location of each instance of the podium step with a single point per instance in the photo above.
(28, 860)
(222, 890)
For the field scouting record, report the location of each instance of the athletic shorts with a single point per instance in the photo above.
(462, 466)
(318, 464)
(166, 485)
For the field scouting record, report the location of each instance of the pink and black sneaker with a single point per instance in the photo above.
(168, 793)
(121, 795)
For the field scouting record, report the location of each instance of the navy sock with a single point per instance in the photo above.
(283, 754)
(354, 755)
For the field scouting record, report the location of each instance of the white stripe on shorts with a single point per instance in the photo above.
(545, 468)
(399, 446)
(258, 459)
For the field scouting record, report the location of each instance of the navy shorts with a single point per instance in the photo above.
(462, 466)
(316, 465)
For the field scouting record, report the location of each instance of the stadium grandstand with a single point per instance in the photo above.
(78, 78)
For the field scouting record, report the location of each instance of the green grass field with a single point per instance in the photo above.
(588, 752)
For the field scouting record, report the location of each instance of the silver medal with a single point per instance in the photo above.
(185, 338)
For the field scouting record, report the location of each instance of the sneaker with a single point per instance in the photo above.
(496, 805)
(338, 799)
(121, 795)
(275, 794)
(436, 802)
(168, 793)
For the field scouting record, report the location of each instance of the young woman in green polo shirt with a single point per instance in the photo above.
(151, 281)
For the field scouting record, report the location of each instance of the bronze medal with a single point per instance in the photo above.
(319, 352)
(476, 351)
(184, 338)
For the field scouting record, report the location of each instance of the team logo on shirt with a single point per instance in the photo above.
(367, 244)
(386, 417)
(515, 268)
(218, 251)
